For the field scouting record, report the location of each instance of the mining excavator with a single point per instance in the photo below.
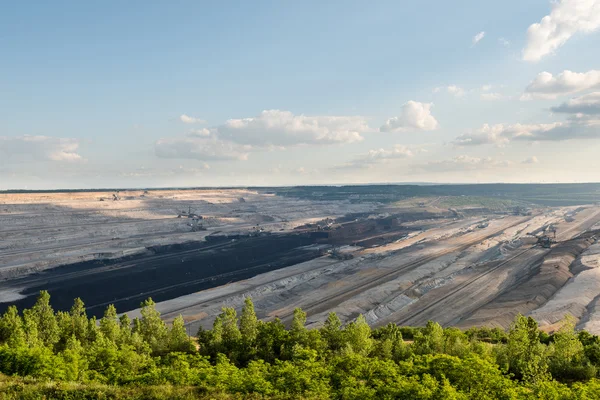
(545, 242)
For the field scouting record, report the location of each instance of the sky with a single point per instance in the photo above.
(237, 93)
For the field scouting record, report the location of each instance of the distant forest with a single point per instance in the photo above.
(552, 194)
(542, 194)
(66, 355)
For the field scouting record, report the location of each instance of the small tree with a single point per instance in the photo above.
(567, 360)
(109, 324)
(178, 337)
(152, 328)
(430, 340)
(524, 355)
(11, 328)
(125, 330)
(358, 336)
(248, 322)
(332, 332)
(43, 316)
(79, 320)
(298, 331)
(231, 331)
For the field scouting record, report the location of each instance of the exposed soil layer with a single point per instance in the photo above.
(459, 260)
(172, 271)
(549, 276)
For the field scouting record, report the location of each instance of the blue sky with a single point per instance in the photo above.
(191, 93)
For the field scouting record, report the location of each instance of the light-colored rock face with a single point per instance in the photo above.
(579, 297)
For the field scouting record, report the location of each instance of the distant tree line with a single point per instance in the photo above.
(66, 355)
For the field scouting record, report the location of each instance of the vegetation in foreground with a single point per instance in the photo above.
(66, 355)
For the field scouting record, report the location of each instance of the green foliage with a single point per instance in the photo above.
(116, 358)
(109, 324)
(332, 332)
(357, 336)
(178, 339)
(248, 322)
(151, 327)
(43, 317)
(524, 355)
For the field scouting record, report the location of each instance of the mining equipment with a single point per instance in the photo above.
(188, 214)
(258, 231)
(520, 210)
(116, 196)
(196, 225)
(338, 255)
(545, 242)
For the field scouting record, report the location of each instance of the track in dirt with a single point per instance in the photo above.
(417, 315)
(325, 303)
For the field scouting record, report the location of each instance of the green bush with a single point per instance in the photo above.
(57, 355)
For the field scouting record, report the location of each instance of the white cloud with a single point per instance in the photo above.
(40, 147)
(487, 134)
(200, 132)
(478, 37)
(204, 149)
(191, 120)
(567, 18)
(462, 163)
(588, 104)
(530, 160)
(502, 134)
(486, 88)
(379, 156)
(282, 128)
(491, 96)
(415, 115)
(452, 89)
(504, 42)
(270, 130)
(547, 86)
(456, 90)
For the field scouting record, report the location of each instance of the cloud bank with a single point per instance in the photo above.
(40, 148)
(502, 134)
(588, 104)
(283, 128)
(547, 86)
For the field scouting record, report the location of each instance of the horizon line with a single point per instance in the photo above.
(106, 189)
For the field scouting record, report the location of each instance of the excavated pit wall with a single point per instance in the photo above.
(550, 276)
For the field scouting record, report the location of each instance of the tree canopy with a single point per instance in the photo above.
(49, 354)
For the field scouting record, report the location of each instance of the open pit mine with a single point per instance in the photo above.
(460, 255)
